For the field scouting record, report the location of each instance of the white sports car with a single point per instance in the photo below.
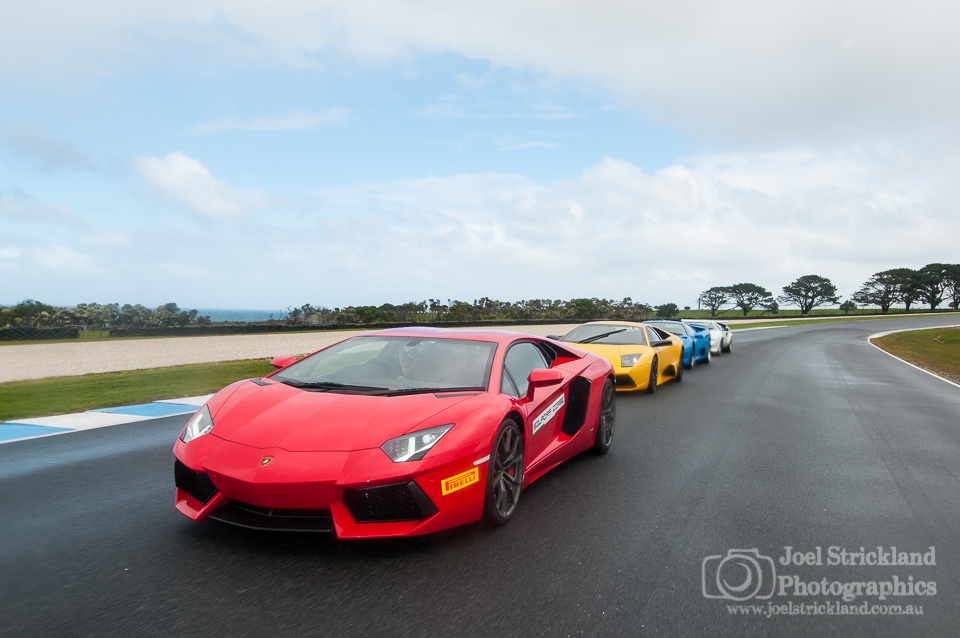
(721, 337)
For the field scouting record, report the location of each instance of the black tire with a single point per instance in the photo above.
(728, 348)
(679, 375)
(607, 421)
(693, 358)
(652, 384)
(504, 474)
(709, 354)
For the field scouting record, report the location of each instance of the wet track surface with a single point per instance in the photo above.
(803, 436)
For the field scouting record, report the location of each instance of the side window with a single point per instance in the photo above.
(521, 360)
(652, 335)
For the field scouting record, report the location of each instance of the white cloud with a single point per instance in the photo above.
(796, 71)
(611, 231)
(290, 121)
(188, 182)
(616, 231)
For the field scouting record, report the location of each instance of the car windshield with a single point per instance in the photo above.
(394, 365)
(606, 333)
(672, 328)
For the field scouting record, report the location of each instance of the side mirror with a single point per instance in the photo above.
(555, 337)
(542, 377)
(662, 342)
(283, 362)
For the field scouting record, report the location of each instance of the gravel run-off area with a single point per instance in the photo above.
(39, 361)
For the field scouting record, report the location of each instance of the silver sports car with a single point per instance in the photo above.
(721, 337)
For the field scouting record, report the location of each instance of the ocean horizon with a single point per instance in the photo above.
(239, 314)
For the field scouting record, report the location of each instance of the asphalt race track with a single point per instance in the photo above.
(804, 437)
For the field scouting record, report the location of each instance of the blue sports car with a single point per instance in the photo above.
(696, 340)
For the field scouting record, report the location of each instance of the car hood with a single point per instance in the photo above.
(611, 351)
(278, 415)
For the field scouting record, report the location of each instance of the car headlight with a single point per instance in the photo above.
(629, 360)
(412, 447)
(200, 424)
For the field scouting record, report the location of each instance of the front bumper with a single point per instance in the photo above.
(633, 378)
(361, 494)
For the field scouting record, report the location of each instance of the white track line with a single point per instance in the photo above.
(890, 332)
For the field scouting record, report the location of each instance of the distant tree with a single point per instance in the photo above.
(771, 306)
(748, 296)
(667, 310)
(186, 317)
(847, 306)
(952, 280)
(98, 316)
(882, 289)
(203, 320)
(908, 285)
(166, 315)
(137, 315)
(31, 312)
(715, 298)
(932, 283)
(460, 311)
(580, 309)
(808, 292)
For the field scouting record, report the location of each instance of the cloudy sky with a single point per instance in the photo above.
(247, 154)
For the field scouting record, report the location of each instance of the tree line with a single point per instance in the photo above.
(95, 316)
(98, 316)
(483, 309)
(930, 285)
(933, 284)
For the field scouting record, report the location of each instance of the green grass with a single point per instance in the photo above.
(816, 312)
(95, 335)
(64, 395)
(802, 322)
(935, 349)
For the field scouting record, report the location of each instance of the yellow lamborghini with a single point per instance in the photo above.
(643, 357)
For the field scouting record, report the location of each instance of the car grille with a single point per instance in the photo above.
(389, 503)
(196, 484)
(274, 519)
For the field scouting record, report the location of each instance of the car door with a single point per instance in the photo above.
(543, 412)
(702, 337)
(655, 335)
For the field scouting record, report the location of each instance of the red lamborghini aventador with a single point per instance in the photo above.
(394, 433)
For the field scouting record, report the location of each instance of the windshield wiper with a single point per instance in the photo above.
(330, 385)
(601, 335)
(426, 391)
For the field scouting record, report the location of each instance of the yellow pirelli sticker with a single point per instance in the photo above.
(460, 481)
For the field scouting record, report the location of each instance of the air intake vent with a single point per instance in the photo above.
(388, 503)
(196, 484)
